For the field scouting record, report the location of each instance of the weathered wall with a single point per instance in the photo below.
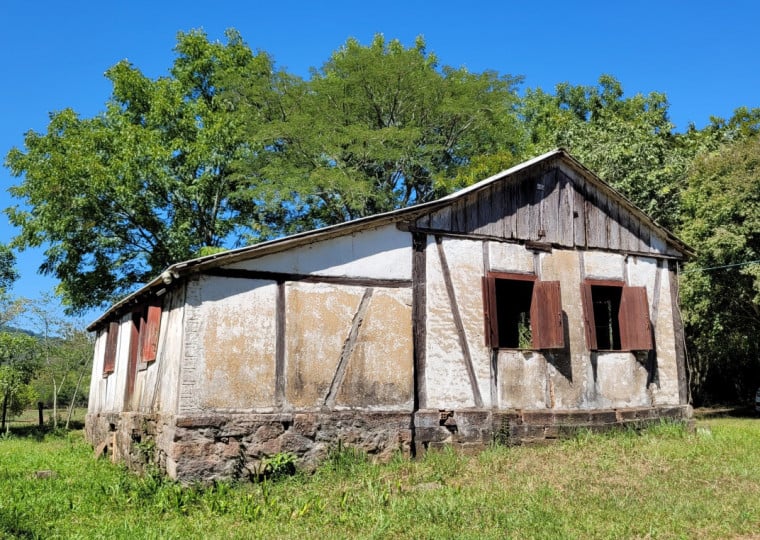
(380, 253)
(341, 339)
(564, 379)
(155, 382)
(457, 364)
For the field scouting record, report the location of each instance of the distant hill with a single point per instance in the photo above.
(14, 330)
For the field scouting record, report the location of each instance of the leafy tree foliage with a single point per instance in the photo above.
(721, 219)
(8, 273)
(148, 182)
(18, 364)
(628, 141)
(381, 127)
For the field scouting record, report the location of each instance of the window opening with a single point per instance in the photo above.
(522, 312)
(606, 302)
(513, 299)
(616, 317)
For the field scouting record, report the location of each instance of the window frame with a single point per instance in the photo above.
(546, 317)
(635, 327)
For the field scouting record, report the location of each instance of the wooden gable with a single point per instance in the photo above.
(553, 204)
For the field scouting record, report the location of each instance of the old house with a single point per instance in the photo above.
(533, 302)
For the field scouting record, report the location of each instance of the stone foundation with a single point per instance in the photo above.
(474, 429)
(217, 446)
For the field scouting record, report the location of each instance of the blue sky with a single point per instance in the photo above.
(704, 55)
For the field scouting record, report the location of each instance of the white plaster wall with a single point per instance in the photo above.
(620, 381)
(523, 380)
(603, 265)
(529, 380)
(234, 357)
(504, 257)
(382, 253)
(446, 379)
(643, 271)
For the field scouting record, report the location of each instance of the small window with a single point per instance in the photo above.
(109, 357)
(522, 312)
(616, 316)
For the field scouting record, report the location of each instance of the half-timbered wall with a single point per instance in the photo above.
(461, 371)
(325, 327)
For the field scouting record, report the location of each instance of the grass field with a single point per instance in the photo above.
(663, 483)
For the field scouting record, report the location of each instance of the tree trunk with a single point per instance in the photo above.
(74, 398)
(5, 409)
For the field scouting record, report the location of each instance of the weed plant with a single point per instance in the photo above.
(663, 482)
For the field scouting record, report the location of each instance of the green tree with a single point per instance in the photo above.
(146, 183)
(628, 141)
(381, 127)
(18, 364)
(721, 286)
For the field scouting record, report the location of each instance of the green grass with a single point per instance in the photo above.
(663, 483)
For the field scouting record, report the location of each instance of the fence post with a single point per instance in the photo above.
(39, 409)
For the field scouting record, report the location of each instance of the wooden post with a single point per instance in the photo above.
(39, 411)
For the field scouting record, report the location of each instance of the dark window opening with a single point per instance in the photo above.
(606, 302)
(513, 300)
(522, 312)
(616, 317)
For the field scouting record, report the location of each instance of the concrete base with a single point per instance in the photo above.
(226, 446)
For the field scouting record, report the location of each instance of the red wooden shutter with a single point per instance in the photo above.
(491, 329)
(149, 330)
(112, 338)
(588, 316)
(635, 328)
(546, 316)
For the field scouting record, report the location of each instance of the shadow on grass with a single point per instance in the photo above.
(728, 411)
(37, 432)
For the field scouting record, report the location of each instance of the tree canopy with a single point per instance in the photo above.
(146, 183)
(226, 150)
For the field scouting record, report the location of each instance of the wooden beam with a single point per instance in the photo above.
(348, 349)
(419, 317)
(279, 354)
(282, 277)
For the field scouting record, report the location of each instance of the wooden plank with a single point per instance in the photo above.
(613, 226)
(597, 219)
(134, 347)
(307, 278)
(524, 200)
(472, 212)
(580, 219)
(491, 313)
(348, 349)
(279, 347)
(550, 207)
(419, 317)
(589, 322)
(678, 335)
(565, 220)
(546, 316)
(149, 332)
(109, 358)
(633, 316)
(461, 335)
